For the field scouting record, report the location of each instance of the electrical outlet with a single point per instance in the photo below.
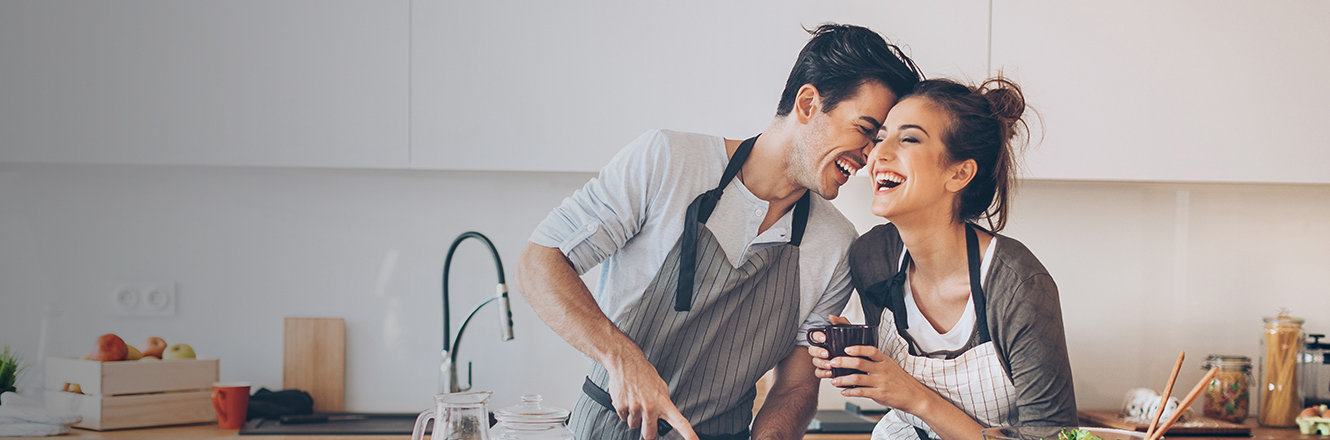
(154, 299)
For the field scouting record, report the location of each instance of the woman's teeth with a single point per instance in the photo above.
(888, 180)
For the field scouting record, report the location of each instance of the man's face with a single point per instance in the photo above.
(833, 145)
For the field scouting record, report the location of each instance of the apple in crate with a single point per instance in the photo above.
(133, 354)
(178, 351)
(109, 348)
(154, 347)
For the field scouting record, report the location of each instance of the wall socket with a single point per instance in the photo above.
(152, 299)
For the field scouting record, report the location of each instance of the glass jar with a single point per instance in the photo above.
(1281, 351)
(531, 421)
(1228, 394)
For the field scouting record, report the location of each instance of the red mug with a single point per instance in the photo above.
(231, 400)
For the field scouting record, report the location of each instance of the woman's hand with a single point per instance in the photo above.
(884, 381)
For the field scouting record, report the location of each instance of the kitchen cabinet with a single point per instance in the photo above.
(307, 83)
(1193, 90)
(562, 86)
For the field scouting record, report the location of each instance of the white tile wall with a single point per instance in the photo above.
(1144, 269)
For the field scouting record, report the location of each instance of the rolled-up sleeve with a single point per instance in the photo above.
(603, 215)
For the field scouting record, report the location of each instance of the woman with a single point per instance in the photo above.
(969, 326)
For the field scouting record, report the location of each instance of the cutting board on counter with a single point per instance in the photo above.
(314, 360)
(1197, 426)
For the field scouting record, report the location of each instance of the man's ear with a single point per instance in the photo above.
(807, 103)
(960, 174)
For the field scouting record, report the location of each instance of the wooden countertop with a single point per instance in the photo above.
(210, 431)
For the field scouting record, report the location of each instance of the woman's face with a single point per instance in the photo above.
(910, 170)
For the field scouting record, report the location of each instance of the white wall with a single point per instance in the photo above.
(1145, 269)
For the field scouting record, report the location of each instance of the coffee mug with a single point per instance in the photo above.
(231, 400)
(840, 336)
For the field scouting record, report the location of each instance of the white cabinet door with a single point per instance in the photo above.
(320, 83)
(1189, 90)
(562, 86)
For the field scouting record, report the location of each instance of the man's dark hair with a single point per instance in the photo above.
(840, 58)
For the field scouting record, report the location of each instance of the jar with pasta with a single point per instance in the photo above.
(1228, 394)
(1281, 347)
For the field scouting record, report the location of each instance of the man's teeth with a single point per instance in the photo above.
(845, 167)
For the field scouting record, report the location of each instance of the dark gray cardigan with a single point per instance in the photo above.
(1024, 320)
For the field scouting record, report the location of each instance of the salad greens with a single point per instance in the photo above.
(1076, 434)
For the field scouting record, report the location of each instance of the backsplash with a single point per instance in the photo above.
(1144, 269)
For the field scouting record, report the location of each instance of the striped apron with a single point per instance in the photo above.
(975, 381)
(710, 329)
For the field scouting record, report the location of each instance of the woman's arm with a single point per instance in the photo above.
(1027, 330)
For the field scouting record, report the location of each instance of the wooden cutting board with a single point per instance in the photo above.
(314, 360)
(1198, 426)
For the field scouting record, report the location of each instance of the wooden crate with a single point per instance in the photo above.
(133, 394)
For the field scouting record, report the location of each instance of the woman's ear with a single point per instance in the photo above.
(806, 103)
(960, 174)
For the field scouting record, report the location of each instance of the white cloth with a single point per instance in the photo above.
(927, 338)
(24, 417)
(632, 214)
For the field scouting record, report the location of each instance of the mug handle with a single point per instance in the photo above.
(813, 342)
(419, 431)
(217, 405)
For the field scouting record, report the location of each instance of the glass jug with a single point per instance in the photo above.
(531, 421)
(457, 416)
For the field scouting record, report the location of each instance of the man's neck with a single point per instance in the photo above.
(767, 172)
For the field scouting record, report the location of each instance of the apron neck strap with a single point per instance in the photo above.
(896, 295)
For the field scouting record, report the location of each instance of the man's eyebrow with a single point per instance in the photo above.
(876, 125)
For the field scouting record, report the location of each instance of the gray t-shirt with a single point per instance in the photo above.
(1024, 321)
(630, 216)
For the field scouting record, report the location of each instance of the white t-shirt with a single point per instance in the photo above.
(927, 338)
(632, 214)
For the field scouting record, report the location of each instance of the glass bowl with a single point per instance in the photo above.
(1051, 433)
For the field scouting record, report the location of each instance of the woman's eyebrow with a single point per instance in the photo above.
(916, 127)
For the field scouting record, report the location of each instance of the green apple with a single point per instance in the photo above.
(178, 351)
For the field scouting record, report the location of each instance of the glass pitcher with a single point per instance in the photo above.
(457, 416)
(531, 421)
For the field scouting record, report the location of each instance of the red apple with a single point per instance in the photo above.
(154, 347)
(110, 348)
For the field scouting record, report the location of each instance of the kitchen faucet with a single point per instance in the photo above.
(448, 368)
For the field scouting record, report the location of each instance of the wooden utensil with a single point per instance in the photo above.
(315, 360)
(1168, 391)
(1191, 397)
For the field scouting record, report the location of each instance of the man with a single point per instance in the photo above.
(716, 257)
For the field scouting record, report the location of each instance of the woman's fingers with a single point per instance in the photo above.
(839, 319)
(866, 351)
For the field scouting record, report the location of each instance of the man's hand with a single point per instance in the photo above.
(641, 397)
(547, 279)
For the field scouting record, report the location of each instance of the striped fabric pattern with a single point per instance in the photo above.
(743, 321)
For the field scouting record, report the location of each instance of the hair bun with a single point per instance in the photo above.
(1004, 98)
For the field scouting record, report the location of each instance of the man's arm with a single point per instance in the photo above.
(548, 281)
(792, 401)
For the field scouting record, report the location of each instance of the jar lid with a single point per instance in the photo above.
(531, 411)
(1225, 360)
(1284, 319)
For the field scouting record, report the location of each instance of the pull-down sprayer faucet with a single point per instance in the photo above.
(448, 368)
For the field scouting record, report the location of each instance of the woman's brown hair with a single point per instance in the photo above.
(983, 123)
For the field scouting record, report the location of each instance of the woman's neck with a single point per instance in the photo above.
(937, 249)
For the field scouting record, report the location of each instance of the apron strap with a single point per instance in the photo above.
(890, 293)
(700, 210)
(976, 287)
